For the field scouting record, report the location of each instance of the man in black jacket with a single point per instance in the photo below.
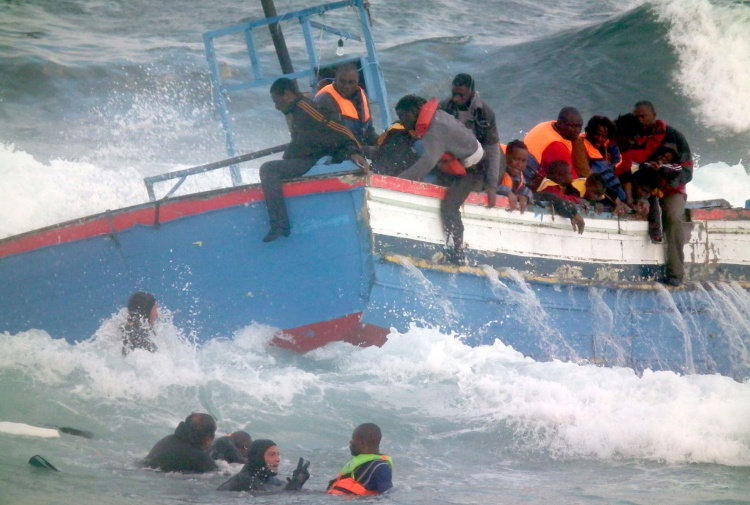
(313, 136)
(185, 450)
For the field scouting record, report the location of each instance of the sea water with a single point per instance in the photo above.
(95, 95)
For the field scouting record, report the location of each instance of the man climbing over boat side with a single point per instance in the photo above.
(447, 143)
(672, 181)
(138, 330)
(345, 101)
(465, 105)
(368, 473)
(186, 449)
(558, 141)
(313, 136)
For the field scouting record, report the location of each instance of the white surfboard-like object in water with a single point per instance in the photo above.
(27, 430)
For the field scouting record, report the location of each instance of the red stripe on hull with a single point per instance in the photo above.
(428, 190)
(179, 208)
(345, 329)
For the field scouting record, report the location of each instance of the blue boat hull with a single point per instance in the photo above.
(210, 268)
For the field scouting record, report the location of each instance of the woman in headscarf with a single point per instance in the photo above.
(259, 474)
(138, 330)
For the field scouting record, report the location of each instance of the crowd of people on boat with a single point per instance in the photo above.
(194, 448)
(635, 164)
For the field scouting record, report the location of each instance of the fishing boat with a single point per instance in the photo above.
(365, 255)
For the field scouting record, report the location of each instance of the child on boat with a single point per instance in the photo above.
(512, 184)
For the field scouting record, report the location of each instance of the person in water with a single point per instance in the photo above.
(187, 449)
(232, 448)
(449, 145)
(259, 473)
(138, 329)
(368, 472)
(313, 137)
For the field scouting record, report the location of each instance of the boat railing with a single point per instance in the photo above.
(373, 79)
(182, 175)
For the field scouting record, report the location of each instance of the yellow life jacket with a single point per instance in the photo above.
(346, 484)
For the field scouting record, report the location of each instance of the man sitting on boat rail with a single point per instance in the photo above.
(345, 101)
(313, 136)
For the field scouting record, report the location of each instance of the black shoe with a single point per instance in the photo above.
(274, 234)
(671, 280)
(455, 257)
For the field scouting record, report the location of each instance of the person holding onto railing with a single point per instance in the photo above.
(313, 136)
(345, 101)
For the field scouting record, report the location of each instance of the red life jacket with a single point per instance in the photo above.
(448, 163)
(646, 145)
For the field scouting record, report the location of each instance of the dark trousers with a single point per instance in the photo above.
(673, 211)
(459, 189)
(272, 175)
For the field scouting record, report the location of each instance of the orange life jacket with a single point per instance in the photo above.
(345, 484)
(508, 182)
(345, 105)
(543, 134)
(448, 163)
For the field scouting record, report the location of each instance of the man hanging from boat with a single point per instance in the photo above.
(448, 144)
(345, 101)
(313, 136)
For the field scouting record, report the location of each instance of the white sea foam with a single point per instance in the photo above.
(719, 180)
(712, 41)
(568, 410)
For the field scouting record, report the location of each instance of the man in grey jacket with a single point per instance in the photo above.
(442, 134)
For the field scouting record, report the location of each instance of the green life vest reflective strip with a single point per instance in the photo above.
(360, 460)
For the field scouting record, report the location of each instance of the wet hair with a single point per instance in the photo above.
(645, 103)
(464, 80)
(566, 112)
(596, 121)
(411, 103)
(513, 145)
(140, 305)
(628, 125)
(556, 169)
(201, 426)
(241, 438)
(282, 85)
